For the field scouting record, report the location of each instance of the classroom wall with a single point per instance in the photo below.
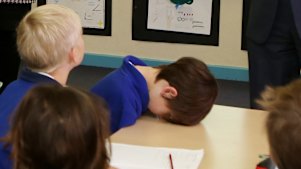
(227, 60)
(228, 53)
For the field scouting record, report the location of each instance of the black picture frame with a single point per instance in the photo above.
(94, 31)
(245, 16)
(140, 31)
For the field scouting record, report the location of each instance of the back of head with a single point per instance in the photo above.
(283, 123)
(197, 90)
(45, 36)
(59, 127)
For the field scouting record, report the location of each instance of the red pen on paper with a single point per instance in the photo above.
(170, 160)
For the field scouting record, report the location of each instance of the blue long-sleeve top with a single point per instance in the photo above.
(9, 100)
(126, 92)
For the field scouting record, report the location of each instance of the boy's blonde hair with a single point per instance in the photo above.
(46, 35)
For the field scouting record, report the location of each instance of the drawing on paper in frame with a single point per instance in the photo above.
(194, 17)
(91, 12)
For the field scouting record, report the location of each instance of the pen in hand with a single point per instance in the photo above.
(170, 160)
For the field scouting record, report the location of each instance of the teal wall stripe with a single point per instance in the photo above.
(111, 61)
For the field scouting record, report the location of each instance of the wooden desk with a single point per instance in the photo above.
(231, 137)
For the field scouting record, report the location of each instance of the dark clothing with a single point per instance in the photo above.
(274, 45)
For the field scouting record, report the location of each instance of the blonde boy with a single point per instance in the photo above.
(49, 41)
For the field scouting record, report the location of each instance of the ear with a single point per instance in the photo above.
(73, 56)
(169, 92)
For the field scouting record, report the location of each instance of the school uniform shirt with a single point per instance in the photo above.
(125, 90)
(9, 100)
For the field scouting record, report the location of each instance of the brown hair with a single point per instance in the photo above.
(196, 86)
(283, 123)
(59, 127)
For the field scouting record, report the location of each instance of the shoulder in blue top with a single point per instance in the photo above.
(9, 100)
(125, 90)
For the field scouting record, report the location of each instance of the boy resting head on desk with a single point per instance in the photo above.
(58, 127)
(182, 92)
(283, 123)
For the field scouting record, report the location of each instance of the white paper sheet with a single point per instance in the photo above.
(91, 12)
(125, 156)
(194, 18)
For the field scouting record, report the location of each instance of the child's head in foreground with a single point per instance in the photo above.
(192, 93)
(59, 127)
(283, 123)
(49, 36)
